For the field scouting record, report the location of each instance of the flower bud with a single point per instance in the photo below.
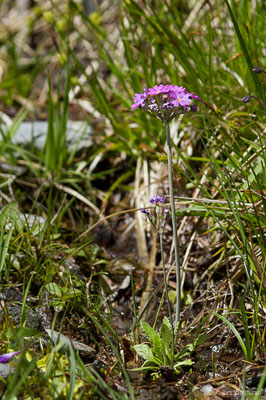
(258, 70)
(166, 213)
(147, 212)
(246, 99)
(193, 108)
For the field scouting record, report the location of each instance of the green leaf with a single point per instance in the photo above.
(18, 119)
(245, 324)
(185, 351)
(22, 332)
(147, 366)
(10, 214)
(185, 362)
(58, 305)
(150, 332)
(166, 334)
(27, 332)
(72, 380)
(199, 340)
(54, 289)
(158, 349)
(245, 51)
(154, 336)
(70, 292)
(172, 296)
(145, 352)
(237, 335)
(8, 219)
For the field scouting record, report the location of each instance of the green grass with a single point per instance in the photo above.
(219, 154)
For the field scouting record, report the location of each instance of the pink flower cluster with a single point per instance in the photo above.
(165, 101)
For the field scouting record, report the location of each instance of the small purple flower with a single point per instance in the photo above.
(177, 89)
(157, 199)
(157, 89)
(4, 358)
(180, 98)
(139, 99)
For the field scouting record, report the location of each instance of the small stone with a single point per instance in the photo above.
(5, 370)
(207, 389)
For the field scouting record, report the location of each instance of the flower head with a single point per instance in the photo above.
(157, 199)
(147, 212)
(165, 102)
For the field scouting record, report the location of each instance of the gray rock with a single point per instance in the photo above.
(36, 131)
(33, 318)
(60, 338)
(5, 370)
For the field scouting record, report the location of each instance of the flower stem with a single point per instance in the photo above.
(167, 298)
(172, 200)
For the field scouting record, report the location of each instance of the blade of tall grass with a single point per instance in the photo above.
(210, 32)
(26, 289)
(72, 380)
(11, 130)
(51, 362)
(114, 349)
(9, 215)
(55, 146)
(249, 346)
(261, 385)
(225, 180)
(103, 389)
(245, 51)
(237, 335)
(4, 246)
(22, 371)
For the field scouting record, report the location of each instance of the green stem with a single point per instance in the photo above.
(167, 298)
(172, 200)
